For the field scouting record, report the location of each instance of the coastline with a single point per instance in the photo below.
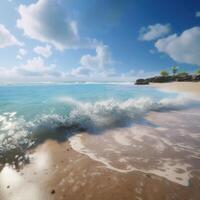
(155, 159)
(68, 170)
(191, 88)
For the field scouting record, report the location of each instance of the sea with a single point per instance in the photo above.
(34, 112)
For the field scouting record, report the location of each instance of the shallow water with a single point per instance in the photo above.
(30, 114)
(30, 101)
(122, 132)
(169, 146)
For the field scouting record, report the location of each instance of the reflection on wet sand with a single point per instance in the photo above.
(155, 160)
(164, 147)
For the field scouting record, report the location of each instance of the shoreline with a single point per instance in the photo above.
(74, 170)
(158, 158)
(189, 88)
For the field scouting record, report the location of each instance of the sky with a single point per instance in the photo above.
(97, 40)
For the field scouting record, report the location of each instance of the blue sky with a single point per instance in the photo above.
(97, 40)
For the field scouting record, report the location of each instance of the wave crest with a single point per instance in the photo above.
(17, 133)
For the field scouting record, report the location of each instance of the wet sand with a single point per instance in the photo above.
(158, 159)
(186, 87)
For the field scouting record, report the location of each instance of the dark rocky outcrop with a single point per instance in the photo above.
(166, 79)
(141, 82)
(161, 79)
(183, 78)
(156, 79)
(196, 77)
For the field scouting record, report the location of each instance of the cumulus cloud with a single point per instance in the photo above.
(99, 65)
(184, 48)
(21, 53)
(37, 67)
(33, 70)
(36, 70)
(81, 71)
(6, 38)
(153, 32)
(46, 21)
(198, 14)
(43, 51)
(96, 67)
(135, 74)
(100, 60)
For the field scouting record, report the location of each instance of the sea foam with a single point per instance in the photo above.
(16, 132)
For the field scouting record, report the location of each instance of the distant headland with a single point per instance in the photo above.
(165, 77)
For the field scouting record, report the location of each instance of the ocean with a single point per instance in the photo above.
(32, 113)
(123, 127)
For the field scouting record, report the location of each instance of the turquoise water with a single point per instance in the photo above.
(31, 101)
(32, 113)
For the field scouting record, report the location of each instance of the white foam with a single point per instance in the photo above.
(12, 131)
(171, 172)
(166, 169)
(122, 139)
(114, 113)
(84, 115)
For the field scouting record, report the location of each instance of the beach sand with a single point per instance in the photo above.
(153, 160)
(65, 171)
(186, 87)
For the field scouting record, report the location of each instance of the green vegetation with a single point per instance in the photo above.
(182, 74)
(164, 73)
(177, 72)
(174, 70)
(198, 72)
(175, 75)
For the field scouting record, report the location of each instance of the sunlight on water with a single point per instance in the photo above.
(33, 113)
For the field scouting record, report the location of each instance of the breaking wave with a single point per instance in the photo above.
(17, 134)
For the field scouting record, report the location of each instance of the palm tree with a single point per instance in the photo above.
(174, 70)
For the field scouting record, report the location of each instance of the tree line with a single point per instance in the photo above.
(174, 70)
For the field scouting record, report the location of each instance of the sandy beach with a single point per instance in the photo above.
(59, 171)
(99, 100)
(185, 87)
(153, 160)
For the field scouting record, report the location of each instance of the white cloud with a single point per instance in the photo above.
(100, 60)
(43, 51)
(153, 32)
(132, 75)
(184, 48)
(81, 71)
(19, 57)
(198, 14)
(98, 67)
(33, 70)
(6, 38)
(47, 22)
(37, 67)
(95, 66)
(21, 53)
